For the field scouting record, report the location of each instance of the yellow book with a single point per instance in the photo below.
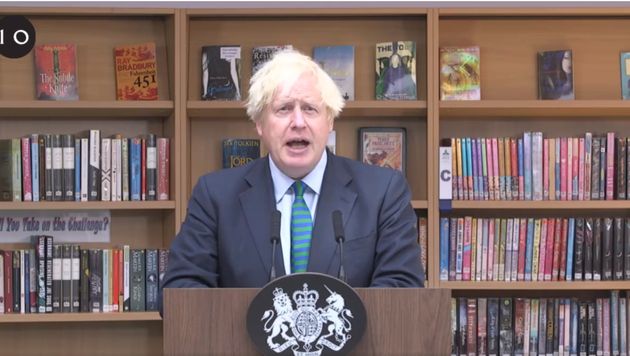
(460, 178)
(136, 72)
(454, 170)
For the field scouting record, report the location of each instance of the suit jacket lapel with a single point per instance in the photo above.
(257, 203)
(334, 195)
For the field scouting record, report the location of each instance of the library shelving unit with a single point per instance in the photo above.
(509, 40)
(207, 123)
(144, 224)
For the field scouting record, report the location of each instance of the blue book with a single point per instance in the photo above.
(570, 238)
(444, 249)
(625, 75)
(475, 168)
(35, 166)
(464, 167)
(527, 164)
(135, 152)
(240, 151)
(338, 62)
(77, 169)
(26, 257)
(520, 168)
(470, 168)
(529, 252)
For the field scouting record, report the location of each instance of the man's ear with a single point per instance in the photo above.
(259, 126)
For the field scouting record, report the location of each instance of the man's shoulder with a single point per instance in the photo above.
(230, 177)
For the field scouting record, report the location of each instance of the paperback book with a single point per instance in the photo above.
(338, 62)
(136, 72)
(383, 146)
(239, 152)
(396, 70)
(263, 54)
(555, 75)
(56, 72)
(220, 73)
(460, 76)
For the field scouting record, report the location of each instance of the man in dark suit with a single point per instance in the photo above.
(225, 238)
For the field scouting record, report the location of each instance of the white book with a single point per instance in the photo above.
(116, 193)
(507, 260)
(106, 169)
(124, 152)
(95, 165)
(446, 164)
(515, 245)
(66, 275)
(85, 154)
(484, 252)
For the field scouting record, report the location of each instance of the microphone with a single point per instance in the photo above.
(339, 236)
(275, 238)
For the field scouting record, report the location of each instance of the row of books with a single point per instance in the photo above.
(540, 326)
(395, 69)
(532, 167)
(534, 249)
(56, 72)
(460, 76)
(61, 167)
(53, 278)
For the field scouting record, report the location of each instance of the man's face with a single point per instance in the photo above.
(295, 126)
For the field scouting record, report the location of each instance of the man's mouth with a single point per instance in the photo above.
(297, 143)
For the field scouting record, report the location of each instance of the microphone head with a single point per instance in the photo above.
(276, 218)
(338, 225)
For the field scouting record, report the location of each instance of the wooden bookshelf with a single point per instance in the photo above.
(79, 317)
(560, 109)
(90, 205)
(536, 286)
(86, 109)
(548, 205)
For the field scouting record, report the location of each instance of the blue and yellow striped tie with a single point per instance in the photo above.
(301, 230)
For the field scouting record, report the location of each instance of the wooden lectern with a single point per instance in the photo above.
(404, 321)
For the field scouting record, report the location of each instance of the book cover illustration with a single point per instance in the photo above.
(220, 73)
(239, 152)
(625, 75)
(136, 72)
(555, 75)
(384, 147)
(460, 76)
(56, 72)
(396, 70)
(338, 62)
(263, 54)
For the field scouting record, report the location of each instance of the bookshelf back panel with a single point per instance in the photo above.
(509, 48)
(206, 152)
(118, 338)
(304, 33)
(95, 39)
(550, 127)
(138, 229)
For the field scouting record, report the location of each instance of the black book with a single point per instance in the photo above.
(43, 177)
(462, 325)
(40, 253)
(94, 166)
(471, 325)
(75, 277)
(152, 279)
(48, 176)
(67, 145)
(151, 167)
(506, 337)
(557, 304)
(49, 274)
(549, 326)
(493, 326)
(57, 287)
(542, 326)
(519, 325)
(137, 281)
(607, 249)
(162, 265)
(57, 168)
(66, 276)
(592, 328)
(597, 249)
(621, 168)
(17, 285)
(578, 257)
(582, 328)
(618, 249)
(627, 251)
(96, 280)
(85, 281)
(588, 249)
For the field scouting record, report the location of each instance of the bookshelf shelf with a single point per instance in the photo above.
(86, 109)
(419, 204)
(549, 285)
(79, 317)
(584, 205)
(89, 205)
(359, 108)
(567, 109)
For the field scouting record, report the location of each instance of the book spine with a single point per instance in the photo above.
(506, 336)
(570, 249)
(580, 168)
(163, 265)
(116, 184)
(125, 168)
(564, 147)
(610, 165)
(444, 248)
(34, 164)
(67, 149)
(521, 170)
(135, 162)
(85, 159)
(627, 252)
(621, 168)
(66, 278)
(77, 169)
(57, 168)
(588, 249)
(595, 168)
(96, 280)
(127, 277)
(151, 168)
(94, 168)
(27, 183)
(143, 168)
(607, 249)
(614, 322)
(57, 277)
(49, 273)
(603, 167)
(597, 249)
(163, 172)
(618, 246)
(570, 164)
(578, 267)
(151, 278)
(106, 284)
(106, 169)
(575, 189)
(138, 287)
(588, 147)
(75, 278)
(40, 242)
(32, 273)
(84, 283)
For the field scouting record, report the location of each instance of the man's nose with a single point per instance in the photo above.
(297, 119)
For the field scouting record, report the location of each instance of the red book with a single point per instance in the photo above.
(557, 245)
(495, 160)
(27, 183)
(522, 247)
(575, 165)
(471, 323)
(563, 249)
(143, 170)
(163, 168)
(581, 169)
(467, 248)
(514, 166)
(56, 72)
(550, 244)
(8, 281)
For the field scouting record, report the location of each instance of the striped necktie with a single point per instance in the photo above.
(301, 229)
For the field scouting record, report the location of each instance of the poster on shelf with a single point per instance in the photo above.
(65, 226)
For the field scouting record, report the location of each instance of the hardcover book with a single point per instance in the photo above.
(263, 54)
(56, 72)
(136, 72)
(460, 77)
(396, 70)
(220, 73)
(555, 75)
(383, 146)
(240, 151)
(338, 62)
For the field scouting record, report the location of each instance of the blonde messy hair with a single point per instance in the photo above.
(285, 68)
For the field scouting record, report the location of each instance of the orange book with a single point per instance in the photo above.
(136, 72)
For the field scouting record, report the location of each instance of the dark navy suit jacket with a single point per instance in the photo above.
(225, 238)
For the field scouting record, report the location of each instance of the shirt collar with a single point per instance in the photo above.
(282, 182)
